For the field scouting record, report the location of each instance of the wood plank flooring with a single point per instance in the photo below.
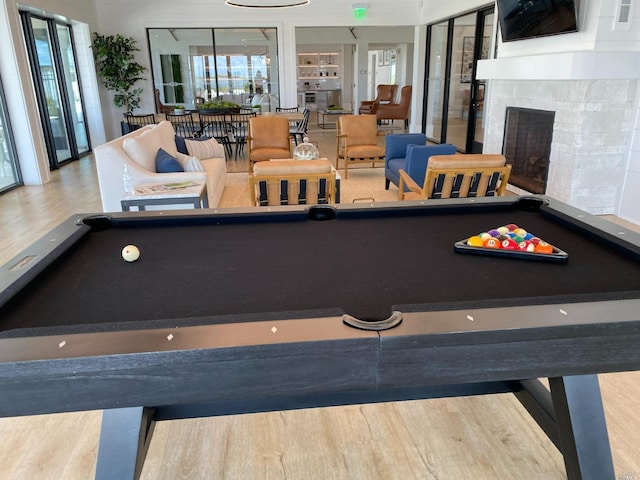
(478, 438)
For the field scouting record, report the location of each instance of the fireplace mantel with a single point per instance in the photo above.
(587, 65)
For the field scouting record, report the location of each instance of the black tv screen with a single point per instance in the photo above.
(520, 19)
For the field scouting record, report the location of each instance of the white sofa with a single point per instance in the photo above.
(138, 150)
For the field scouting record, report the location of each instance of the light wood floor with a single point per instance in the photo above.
(478, 438)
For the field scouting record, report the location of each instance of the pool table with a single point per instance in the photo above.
(235, 311)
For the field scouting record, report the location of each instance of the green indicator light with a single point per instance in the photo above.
(359, 12)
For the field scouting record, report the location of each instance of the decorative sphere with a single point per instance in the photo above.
(306, 151)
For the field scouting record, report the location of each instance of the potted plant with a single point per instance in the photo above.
(218, 106)
(115, 63)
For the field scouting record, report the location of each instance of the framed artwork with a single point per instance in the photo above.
(380, 58)
(387, 57)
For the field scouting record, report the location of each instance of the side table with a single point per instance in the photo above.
(189, 193)
(323, 113)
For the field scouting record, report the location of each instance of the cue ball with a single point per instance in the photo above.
(130, 253)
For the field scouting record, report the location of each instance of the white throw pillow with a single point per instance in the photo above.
(189, 163)
(144, 148)
(202, 149)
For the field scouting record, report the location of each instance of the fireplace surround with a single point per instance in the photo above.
(591, 133)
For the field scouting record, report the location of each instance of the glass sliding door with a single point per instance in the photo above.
(53, 67)
(435, 91)
(9, 171)
(454, 98)
(477, 110)
(72, 84)
(192, 66)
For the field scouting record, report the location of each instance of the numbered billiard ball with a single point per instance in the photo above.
(492, 243)
(543, 247)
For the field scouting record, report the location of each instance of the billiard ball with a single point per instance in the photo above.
(509, 244)
(475, 241)
(543, 247)
(492, 243)
(494, 233)
(130, 253)
(503, 230)
(525, 246)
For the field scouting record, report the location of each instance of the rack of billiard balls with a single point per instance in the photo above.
(511, 240)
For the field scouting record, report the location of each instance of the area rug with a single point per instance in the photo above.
(363, 185)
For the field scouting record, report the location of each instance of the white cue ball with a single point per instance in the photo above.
(130, 253)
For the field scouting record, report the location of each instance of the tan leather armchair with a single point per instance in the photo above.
(268, 139)
(396, 111)
(357, 141)
(458, 176)
(384, 93)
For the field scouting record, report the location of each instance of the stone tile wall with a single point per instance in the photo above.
(592, 131)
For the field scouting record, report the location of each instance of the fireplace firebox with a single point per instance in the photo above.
(527, 147)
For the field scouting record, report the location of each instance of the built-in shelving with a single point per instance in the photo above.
(317, 66)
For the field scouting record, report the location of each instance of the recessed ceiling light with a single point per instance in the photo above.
(267, 3)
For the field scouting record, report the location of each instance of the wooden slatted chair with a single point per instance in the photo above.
(357, 141)
(457, 176)
(293, 182)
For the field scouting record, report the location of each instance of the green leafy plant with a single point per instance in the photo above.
(218, 104)
(115, 63)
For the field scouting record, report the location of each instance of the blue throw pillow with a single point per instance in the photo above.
(166, 163)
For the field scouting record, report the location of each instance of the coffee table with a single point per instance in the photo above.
(323, 113)
(171, 193)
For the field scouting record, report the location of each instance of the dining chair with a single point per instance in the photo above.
(239, 123)
(299, 131)
(136, 121)
(217, 125)
(183, 124)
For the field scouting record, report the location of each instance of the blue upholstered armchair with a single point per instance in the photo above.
(395, 154)
(418, 156)
(410, 152)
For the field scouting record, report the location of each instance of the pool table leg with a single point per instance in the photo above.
(582, 428)
(124, 439)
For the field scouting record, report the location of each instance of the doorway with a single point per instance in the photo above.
(454, 98)
(53, 65)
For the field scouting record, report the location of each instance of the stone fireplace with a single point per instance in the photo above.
(590, 133)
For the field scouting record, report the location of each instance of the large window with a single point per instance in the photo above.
(9, 172)
(193, 65)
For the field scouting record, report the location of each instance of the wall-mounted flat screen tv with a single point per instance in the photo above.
(521, 19)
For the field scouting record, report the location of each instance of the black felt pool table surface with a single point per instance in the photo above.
(365, 266)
